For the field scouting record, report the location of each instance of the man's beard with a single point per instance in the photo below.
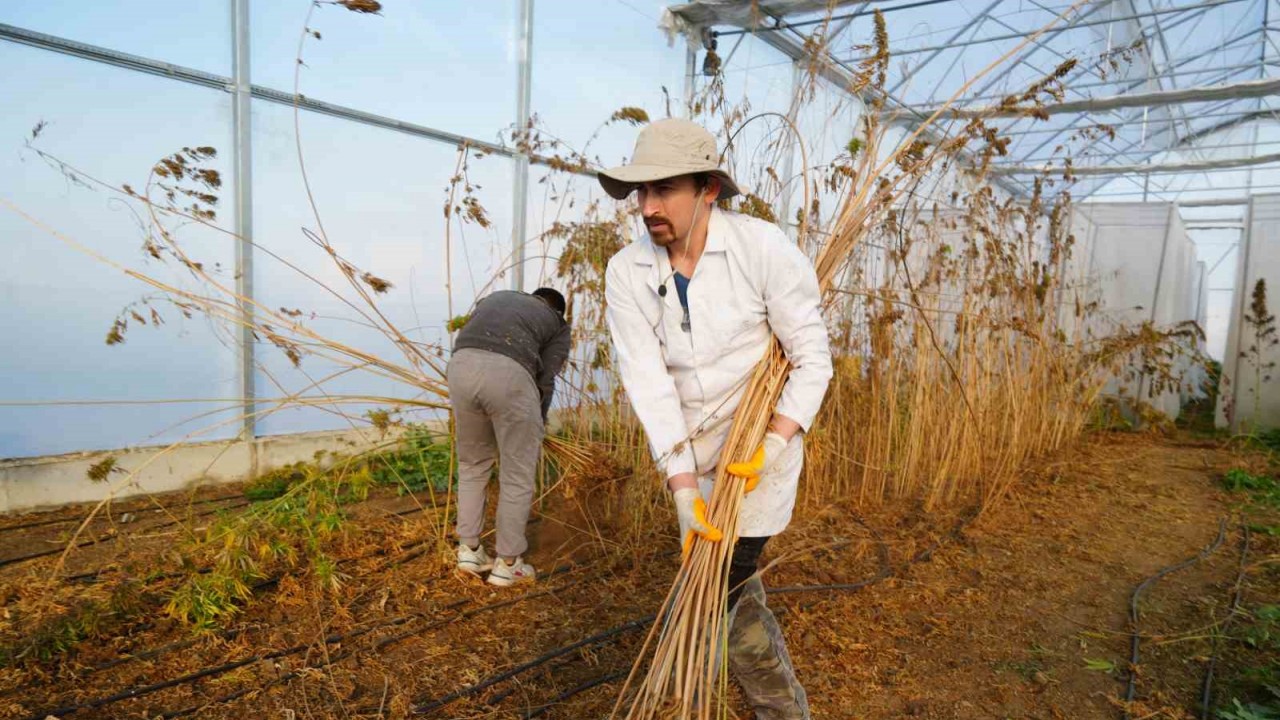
(662, 233)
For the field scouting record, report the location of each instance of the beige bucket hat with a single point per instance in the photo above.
(668, 148)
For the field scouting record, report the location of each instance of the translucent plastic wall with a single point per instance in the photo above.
(60, 302)
(1138, 262)
(380, 193)
(1247, 400)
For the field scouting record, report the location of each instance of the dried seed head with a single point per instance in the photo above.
(633, 115)
(378, 284)
(366, 7)
(101, 470)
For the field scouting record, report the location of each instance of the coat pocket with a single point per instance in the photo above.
(766, 511)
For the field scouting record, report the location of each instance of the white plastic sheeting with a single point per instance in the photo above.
(60, 303)
(1247, 399)
(1137, 261)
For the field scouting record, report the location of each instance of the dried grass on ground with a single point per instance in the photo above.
(1003, 619)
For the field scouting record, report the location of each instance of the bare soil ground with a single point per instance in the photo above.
(1021, 612)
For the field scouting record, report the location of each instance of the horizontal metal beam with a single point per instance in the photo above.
(1226, 125)
(1137, 121)
(1178, 191)
(1174, 149)
(226, 84)
(1216, 69)
(693, 13)
(1163, 169)
(1225, 202)
(1156, 98)
(1170, 125)
(112, 57)
(1019, 35)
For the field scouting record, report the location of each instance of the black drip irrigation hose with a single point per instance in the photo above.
(577, 690)
(137, 692)
(1135, 638)
(60, 521)
(421, 545)
(293, 650)
(224, 635)
(432, 705)
(230, 633)
(343, 655)
(111, 538)
(335, 658)
(346, 654)
(886, 571)
(199, 674)
(390, 640)
(597, 639)
(1206, 688)
(89, 576)
(882, 551)
(92, 576)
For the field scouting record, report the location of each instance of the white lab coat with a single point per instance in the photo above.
(750, 283)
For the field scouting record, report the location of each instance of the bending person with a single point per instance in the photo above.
(501, 378)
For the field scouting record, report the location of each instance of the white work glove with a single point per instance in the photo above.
(691, 510)
(763, 462)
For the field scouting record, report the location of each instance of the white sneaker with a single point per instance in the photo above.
(477, 562)
(505, 575)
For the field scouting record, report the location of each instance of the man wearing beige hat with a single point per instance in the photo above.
(692, 310)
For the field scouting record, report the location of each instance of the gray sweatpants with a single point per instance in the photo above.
(497, 412)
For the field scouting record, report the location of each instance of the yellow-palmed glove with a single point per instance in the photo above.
(762, 462)
(691, 510)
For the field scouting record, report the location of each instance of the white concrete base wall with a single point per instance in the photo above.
(28, 483)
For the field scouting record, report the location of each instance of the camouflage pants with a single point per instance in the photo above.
(757, 652)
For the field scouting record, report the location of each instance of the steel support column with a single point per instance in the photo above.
(691, 75)
(242, 176)
(1144, 382)
(1240, 302)
(787, 186)
(520, 184)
